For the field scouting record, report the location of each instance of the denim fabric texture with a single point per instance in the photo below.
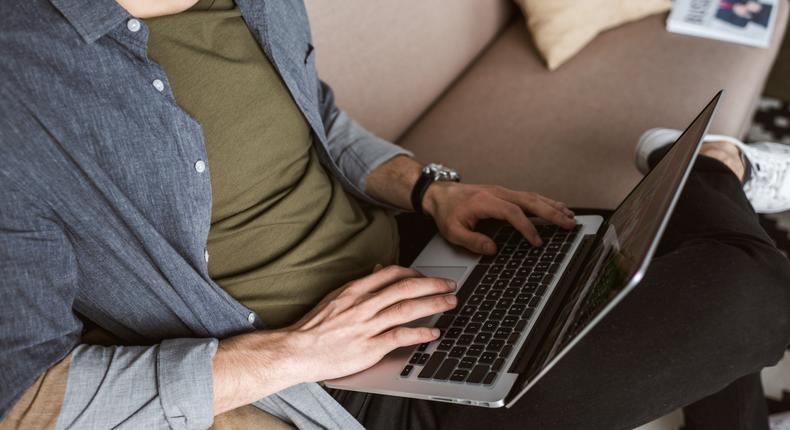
(105, 203)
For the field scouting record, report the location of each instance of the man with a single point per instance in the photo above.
(250, 284)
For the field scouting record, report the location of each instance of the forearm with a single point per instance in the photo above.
(250, 367)
(392, 181)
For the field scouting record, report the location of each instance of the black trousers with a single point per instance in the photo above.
(713, 310)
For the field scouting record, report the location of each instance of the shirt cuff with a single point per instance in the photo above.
(185, 380)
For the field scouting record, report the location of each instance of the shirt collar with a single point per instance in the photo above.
(92, 18)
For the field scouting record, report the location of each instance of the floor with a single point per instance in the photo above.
(775, 379)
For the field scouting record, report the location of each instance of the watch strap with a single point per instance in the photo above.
(418, 192)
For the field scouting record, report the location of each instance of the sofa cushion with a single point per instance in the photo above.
(570, 134)
(388, 61)
(561, 28)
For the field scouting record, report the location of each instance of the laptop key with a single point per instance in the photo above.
(489, 379)
(480, 317)
(415, 358)
(509, 321)
(459, 375)
(487, 305)
(488, 279)
(483, 337)
(423, 359)
(447, 367)
(502, 333)
(465, 339)
(498, 363)
(453, 332)
(444, 345)
(475, 299)
(490, 326)
(460, 321)
(474, 350)
(500, 284)
(510, 293)
(468, 310)
(444, 321)
(406, 370)
(422, 347)
(495, 345)
(523, 298)
(457, 352)
(514, 337)
(433, 363)
(521, 324)
(517, 309)
(506, 350)
(473, 327)
(478, 374)
(497, 314)
(467, 363)
(487, 358)
(504, 303)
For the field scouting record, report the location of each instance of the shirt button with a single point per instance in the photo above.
(205, 255)
(200, 166)
(251, 318)
(158, 84)
(133, 25)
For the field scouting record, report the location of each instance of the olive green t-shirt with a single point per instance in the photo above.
(283, 232)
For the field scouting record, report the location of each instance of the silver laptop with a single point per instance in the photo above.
(520, 311)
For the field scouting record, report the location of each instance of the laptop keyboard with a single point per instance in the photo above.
(494, 307)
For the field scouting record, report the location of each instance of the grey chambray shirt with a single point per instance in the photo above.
(105, 205)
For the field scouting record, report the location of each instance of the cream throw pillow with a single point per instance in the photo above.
(561, 28)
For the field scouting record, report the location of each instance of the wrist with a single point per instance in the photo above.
(435, 195)
(251, 366)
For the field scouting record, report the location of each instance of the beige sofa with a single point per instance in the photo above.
(459, 82)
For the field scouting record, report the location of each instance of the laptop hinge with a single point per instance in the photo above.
(533, 351)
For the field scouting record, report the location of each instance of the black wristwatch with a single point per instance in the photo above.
(430, 174)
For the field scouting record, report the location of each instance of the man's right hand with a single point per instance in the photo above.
(356, 325)
(350, 330)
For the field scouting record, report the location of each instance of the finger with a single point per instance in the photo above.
(377, 267)
(471, 240)
(406, 289)
(381, 278)
(559, 205)
(409, 310)
(532, 203)
(512, 213)
(405, 336)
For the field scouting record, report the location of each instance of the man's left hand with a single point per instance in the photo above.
(458, 207)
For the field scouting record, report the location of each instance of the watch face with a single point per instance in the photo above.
(442, 173)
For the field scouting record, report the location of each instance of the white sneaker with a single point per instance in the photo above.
(768, 188)
(780, 421)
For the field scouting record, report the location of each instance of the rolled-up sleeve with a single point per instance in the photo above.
(162, 386)
(355, 151)
(168, 385)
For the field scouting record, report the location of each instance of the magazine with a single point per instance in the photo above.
(749, 22)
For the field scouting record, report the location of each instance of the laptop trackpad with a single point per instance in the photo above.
(447, 272)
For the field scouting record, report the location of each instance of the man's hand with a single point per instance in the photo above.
(350, 330)
(457, 208)
(356, 326)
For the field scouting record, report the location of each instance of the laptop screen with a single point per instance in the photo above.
(618, 262)
(637, 224)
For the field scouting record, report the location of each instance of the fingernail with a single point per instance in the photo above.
(489, 248)
(436, 332)
(451, 299)
(451, 284)
(539, 242)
